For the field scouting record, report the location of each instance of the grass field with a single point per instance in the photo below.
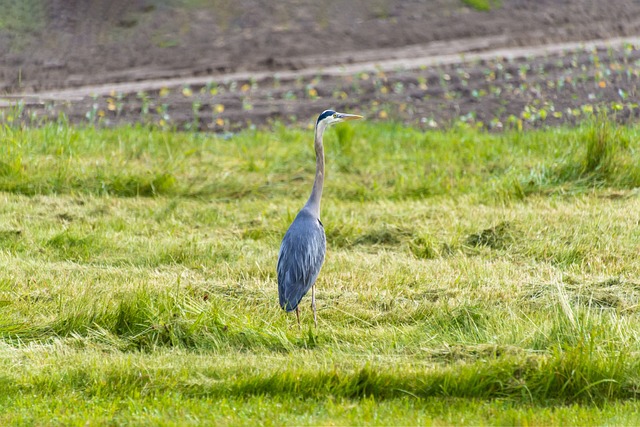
(471, 278)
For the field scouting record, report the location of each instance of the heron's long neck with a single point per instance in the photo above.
(316, 194)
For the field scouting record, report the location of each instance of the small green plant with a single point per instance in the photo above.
(144, 99)
(483, 5)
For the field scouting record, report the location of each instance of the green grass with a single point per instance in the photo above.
(381, 162)
(20, 23)
(483, 5)
(23, 16)
(471, 278)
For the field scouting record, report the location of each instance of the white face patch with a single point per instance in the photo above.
(329, 117)
(333, 119)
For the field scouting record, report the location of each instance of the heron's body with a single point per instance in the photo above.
(300, 259)
(304, 245)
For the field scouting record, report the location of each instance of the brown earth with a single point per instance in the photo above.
(228, 64)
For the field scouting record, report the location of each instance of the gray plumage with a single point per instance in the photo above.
(300, 259)
(304, 245)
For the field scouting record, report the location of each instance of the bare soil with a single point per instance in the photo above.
(222, 65)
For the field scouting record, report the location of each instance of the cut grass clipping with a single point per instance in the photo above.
(470, 277)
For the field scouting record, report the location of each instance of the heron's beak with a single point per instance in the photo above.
(347, 117)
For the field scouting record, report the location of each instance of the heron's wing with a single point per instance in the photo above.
(300, 259)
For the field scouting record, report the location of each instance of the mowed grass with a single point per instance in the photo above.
(470, 277)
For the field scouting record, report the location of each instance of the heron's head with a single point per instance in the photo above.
(330, 117)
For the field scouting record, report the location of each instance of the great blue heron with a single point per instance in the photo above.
(304, 245)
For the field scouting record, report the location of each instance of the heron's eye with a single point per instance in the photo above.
(335, 115)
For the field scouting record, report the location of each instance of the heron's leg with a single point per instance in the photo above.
(298, 316)
(313, 305)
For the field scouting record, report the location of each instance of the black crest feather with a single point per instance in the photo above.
(324, 115)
